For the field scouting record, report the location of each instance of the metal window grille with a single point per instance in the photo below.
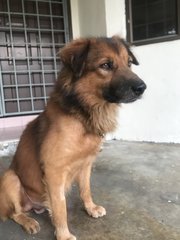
(31, 34)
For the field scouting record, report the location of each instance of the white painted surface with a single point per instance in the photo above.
(92, 20)
(115, 17)
(75, 18)
(98, 18)
(157, 116)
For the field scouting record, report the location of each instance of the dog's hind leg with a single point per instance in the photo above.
(29, 224)
(11, 193)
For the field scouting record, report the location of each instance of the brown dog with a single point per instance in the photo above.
(60, 145)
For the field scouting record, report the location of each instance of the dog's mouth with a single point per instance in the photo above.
(130, 100)
(115, 99)
(124, 94)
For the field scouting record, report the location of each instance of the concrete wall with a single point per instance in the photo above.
(115, 17)
(157, 116)
(98, 18)
(92, 20)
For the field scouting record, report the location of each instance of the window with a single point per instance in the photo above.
(150, 21)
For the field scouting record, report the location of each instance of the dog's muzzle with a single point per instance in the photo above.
(124, 90)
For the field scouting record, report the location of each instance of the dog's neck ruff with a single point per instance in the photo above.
(103, 119)
(97, 115)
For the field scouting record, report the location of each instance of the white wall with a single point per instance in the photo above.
(156, 117)
(98, 18)
(115, 17)
(75, 18)
(91, 17)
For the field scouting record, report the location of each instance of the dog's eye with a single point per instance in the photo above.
(107, 66)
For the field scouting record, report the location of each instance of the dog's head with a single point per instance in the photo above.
(105, 65)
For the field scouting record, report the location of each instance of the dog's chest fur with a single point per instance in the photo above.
(69, 141)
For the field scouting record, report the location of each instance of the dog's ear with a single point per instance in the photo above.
(127, 46)
(134, 59)
(74, 55)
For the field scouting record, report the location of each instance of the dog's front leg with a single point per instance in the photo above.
(85, 192)
(57, 204)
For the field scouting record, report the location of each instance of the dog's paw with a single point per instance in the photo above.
(69, 237)
(96, 211)
(31, 226)
(72, 237)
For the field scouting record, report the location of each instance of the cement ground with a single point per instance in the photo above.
(137, 183)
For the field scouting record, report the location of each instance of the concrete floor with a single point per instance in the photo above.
(137, 183)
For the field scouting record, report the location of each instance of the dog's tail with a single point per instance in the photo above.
(9, 193)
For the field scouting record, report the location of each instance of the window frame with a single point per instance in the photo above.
(129, 27)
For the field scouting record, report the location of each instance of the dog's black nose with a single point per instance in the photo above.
(139, 88)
